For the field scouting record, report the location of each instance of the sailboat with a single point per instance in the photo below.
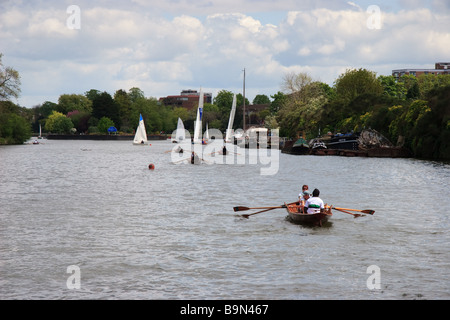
(206, 140)
(180, 134)
(229, 133)
(140, 138)
(40, 131)
(198, 122)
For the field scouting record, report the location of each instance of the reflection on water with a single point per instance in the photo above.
(171, 233)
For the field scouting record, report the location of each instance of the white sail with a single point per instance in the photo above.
(180, 134)
(229, 132)
(141, 135)
(206, 134)
(198, 121)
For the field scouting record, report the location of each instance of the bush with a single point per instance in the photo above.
(14, 129)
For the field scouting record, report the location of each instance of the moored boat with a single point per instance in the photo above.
(317, 144)
(311, 219)
(348, 141)
(299, 147)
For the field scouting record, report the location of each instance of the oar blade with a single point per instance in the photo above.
(368, 211)
(355, 215)
(240, 208)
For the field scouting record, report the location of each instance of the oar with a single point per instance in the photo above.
(247, 208)
(240, 208)
(248, 215)
(363, 211)
(269, 208)
(356, 215)
(181, 160)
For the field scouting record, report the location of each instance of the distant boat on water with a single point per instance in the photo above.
(40, 132)
(198, 122)
(229, 133)
(180, 134)
(140, 138)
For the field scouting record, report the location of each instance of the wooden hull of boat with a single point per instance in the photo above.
(314, 219)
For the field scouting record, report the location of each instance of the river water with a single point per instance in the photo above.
(92, 214)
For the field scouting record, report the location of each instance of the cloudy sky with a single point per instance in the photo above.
(163, 47)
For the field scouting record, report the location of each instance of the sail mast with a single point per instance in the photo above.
(231, 120)
(198, 122)
(244, 100)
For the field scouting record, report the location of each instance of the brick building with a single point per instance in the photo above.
(187, 99)
(439, 68)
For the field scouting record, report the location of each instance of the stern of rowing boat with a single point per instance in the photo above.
(308, 219)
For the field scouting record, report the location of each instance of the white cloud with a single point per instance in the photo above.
(354, 5)
(164, 47)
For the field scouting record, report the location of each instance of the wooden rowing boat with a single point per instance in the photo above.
(311, 219)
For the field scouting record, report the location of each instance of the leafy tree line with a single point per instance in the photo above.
(95, 112)
(14, 120)
(414, 109)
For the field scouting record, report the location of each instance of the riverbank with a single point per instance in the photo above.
(101, 137)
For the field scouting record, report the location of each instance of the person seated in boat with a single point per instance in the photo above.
(194, 158)
(314, 204)
(302, 200)
(300, 196)
(179, 149)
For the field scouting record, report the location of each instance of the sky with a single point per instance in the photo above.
(163, 47)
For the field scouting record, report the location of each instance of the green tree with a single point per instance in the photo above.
(58, 123)
(9, 107)
(104, 123)
(150, 112)
(432, 131)
(391, 87)
(123, 100)
(428, 82)
(410, 85)
(302, 110)
(92, 94)
(261, 99)
(105, 106)
(46, 109)
(354, 83)
(215, 117)
(135, 94)
(356, 92)
(224, 100)
(80, 120)
(181, 113)
(14, 129)
(278, 101)
(413, 92)
(72, 102)
(9, 82)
